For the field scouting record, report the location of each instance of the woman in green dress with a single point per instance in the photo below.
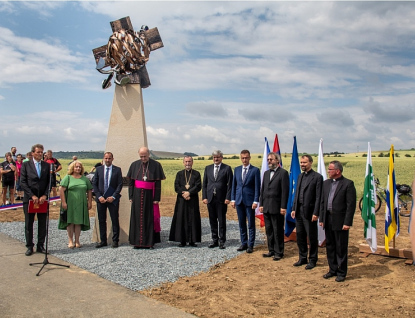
(76, 201)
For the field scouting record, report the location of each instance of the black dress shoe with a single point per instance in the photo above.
(269, 254)
(310, 266)
(40, 249)
(222, 246)
(102, 244)
(114, 244)
(340, 279)
(29, 251)
(249, 249)
(213, 244)
(192, 244)
(242, 248)
(277, 258)
(328, 275)
(300, 262)
(182, 245)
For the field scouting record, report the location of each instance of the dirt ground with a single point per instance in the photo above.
(252, 286)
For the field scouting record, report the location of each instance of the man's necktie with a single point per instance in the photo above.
(216, 172)
(244, 174)
(38, 168)
(107, 172)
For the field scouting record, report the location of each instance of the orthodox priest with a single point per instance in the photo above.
(186, 225)
(144, 191)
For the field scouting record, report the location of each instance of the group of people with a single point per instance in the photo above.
(332, 203)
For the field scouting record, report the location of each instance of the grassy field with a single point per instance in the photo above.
(354, 167)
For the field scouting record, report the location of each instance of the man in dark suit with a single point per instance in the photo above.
(273, 204)
(337, 207)
(305, 211)
(216, 193)
(246, 186)
(107, 185)
(34, 180)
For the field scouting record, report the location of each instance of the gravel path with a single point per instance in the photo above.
(139, 269)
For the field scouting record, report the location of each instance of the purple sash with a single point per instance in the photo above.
(156, 209)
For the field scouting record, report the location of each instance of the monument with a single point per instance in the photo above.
(123, 59)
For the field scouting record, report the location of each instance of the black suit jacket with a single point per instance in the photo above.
(222, 184)
(115, 182)
(312, 194)
(343, 206)
(274, 192)
(31, 183)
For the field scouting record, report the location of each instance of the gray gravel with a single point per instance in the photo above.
(139, 269)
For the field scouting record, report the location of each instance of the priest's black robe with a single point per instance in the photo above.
(186, 225)
(142, 233)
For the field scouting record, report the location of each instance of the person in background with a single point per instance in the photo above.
(99, 164)
(55, 168)
(7, 171)
(13, 151)
(77, 203)
(28, 157)
(19, 190)
(74, 158)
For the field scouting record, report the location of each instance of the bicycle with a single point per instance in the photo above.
(404, 198)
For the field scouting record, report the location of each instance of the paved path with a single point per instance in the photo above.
(65, 292)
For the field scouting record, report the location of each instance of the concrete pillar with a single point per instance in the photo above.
(126, 134)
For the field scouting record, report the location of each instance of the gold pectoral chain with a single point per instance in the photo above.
(187, 186)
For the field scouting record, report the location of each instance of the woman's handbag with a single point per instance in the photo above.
(63, 212)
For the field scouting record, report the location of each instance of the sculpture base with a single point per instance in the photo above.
(126, 134)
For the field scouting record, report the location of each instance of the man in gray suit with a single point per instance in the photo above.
(216, 193)
(273, 204)
(306, 210)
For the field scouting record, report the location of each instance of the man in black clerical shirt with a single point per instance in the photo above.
(306, 210)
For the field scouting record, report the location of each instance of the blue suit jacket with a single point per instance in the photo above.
(246, 192)
(115, 182)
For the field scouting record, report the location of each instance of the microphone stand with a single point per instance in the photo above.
(46, 260)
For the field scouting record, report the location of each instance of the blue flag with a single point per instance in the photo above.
(294, 173)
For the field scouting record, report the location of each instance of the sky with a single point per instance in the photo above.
(230, 73)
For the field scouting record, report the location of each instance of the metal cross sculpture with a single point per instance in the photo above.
(127, 53)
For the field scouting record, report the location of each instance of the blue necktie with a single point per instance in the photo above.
(106, 179)
(38, 168)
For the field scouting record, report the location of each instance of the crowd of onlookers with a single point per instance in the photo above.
(10, 170)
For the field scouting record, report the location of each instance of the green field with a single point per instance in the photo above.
(354, 167)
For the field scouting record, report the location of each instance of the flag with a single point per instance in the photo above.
(321, 169)
(276, 148)
(369, 203)
(294, 173)
(391, 210)
(264, 168)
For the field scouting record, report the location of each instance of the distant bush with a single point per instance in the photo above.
(381, 155)
(408, 155)
(259, 157)
(364, 155)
